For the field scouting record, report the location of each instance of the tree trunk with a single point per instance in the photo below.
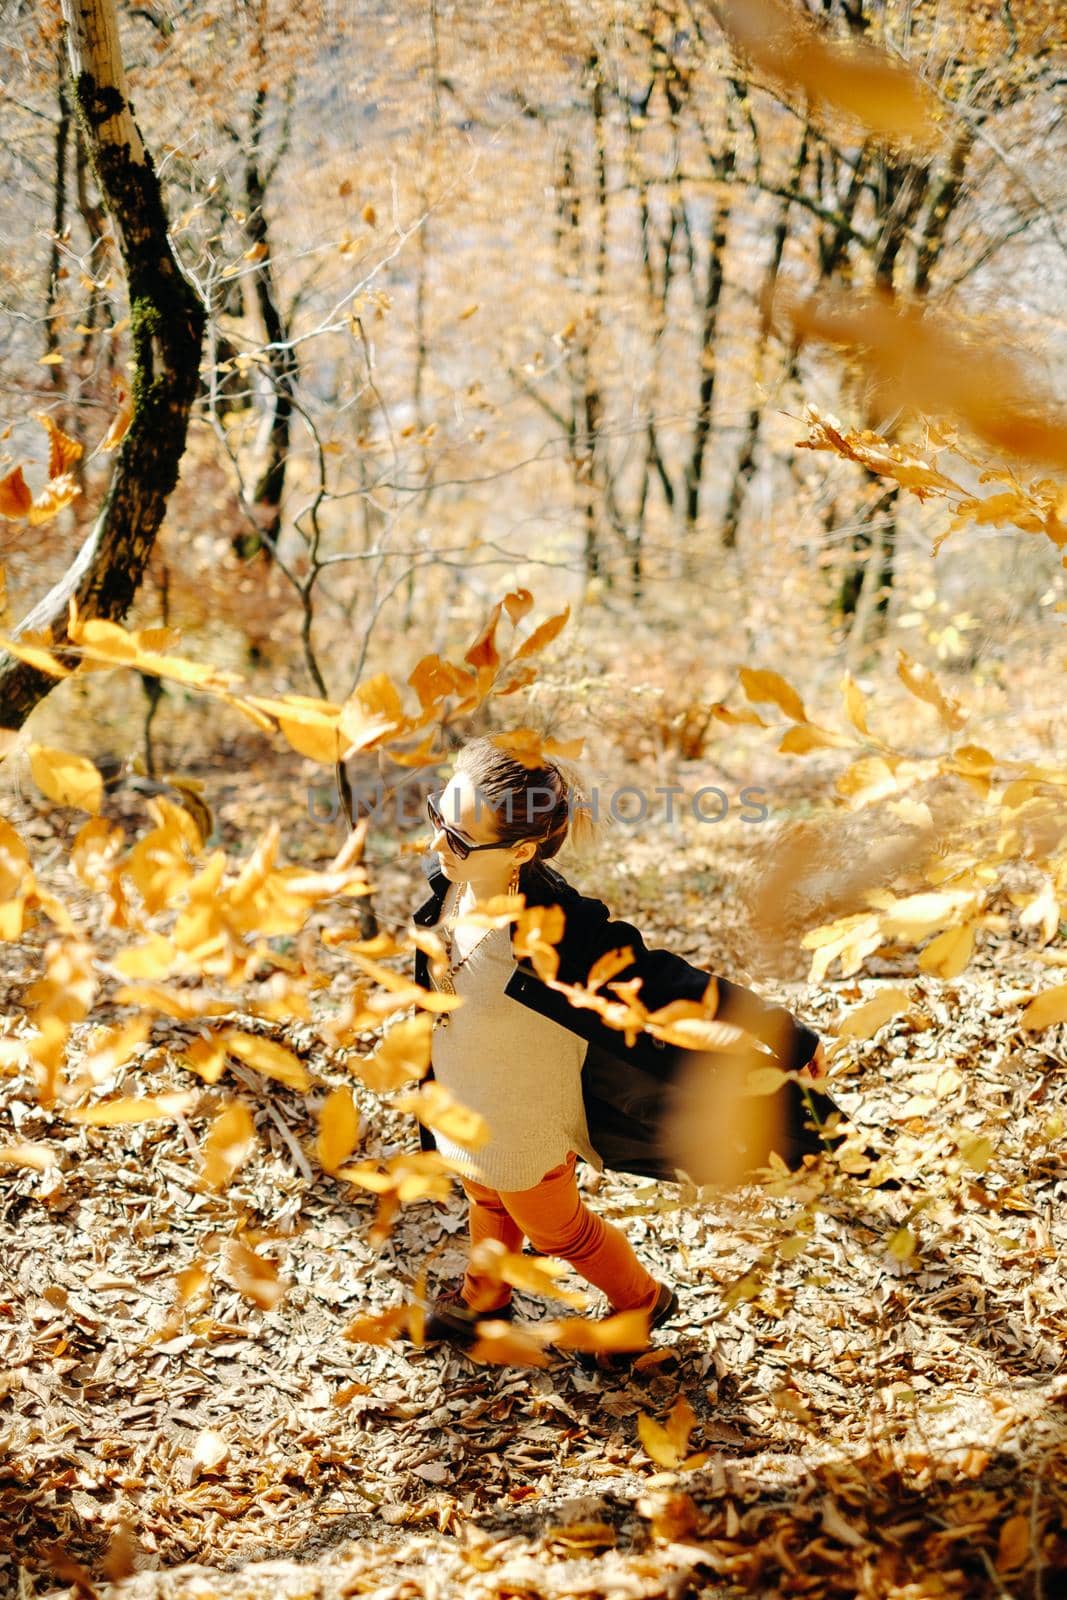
(166, 331)
(281, 358)
(746, 456)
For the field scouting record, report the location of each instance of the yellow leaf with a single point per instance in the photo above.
(229, 1144)
(119, 428)
(114, 1048)
(403, 1054)
(902, 1244)
(740, 718)
(153, 1108)
(869, 779)
(856, 77)
(378, 1327)
(16, 497)
(467, 312)
(492, 1260)
(948, 954)
(252, 1276)
(372, 712)
(804, 738)
(191, 1282)
(57, 493)
(15, 874)
(52, 359)
(542, 635)
(510, 1344)
(69, 780)
(434, 1106)
(156, 957)
(1046, 1009)
(865, 1020)
(1013, 1545)
(764, 686)
(32, 648)
(339, 1127)
(977, 1152)
(205, 1057)
(63, 451)
(917, 915)
(37, 1157)
(626, 1330)
(266, 1056)
(855, 705)
(924, 686)
(667, 1445)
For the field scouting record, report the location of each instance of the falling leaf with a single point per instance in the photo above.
(947, 954)
(339, 1127)
(667, 1446)
(854, 76)
(624, 1330)
(924, 686)
(266, 1056)
(933, 365)
(492, 1260)
(191, 1282)
(865, 1021)
(231, 1142)
(435, 1106)
(16, 497)
(763, 686)
(33, 649)
(1013, 1544)
(512, 1344)
(119, 427)
(403, 1054)
(542, 635)
(114, 1113)
(902, 1244)
(252, 1275)
(1046, 1009)
(38, 1157)
(378, 1327)
(63, 451)
(977, 1152)
(69, 780)
(57, 493)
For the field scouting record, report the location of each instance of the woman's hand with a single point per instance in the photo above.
(815, 1069)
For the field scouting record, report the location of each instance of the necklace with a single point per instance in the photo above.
(445, 984)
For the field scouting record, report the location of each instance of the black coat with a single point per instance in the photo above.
(627, 1089)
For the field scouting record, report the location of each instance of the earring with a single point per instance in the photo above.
(513, 884)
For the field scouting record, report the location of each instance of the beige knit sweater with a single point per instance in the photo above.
(522, 1071)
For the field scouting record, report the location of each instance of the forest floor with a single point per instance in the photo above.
(873, 1422)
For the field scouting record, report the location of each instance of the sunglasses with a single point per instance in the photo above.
(460, 846)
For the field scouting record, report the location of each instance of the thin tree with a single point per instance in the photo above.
(166, 332)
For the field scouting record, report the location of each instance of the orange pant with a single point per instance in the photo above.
(553, 1216)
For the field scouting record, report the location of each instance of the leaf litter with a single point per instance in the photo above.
(874, 1404)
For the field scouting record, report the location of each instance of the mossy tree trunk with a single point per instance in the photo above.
(166, 333)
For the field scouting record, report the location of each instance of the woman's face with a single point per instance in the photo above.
(468, 814)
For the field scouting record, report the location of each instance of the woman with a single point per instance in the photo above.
(496, 825)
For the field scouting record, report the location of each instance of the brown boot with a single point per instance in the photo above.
(453, 1320)
(618, 1360)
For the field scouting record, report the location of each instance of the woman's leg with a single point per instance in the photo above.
(488, 1219)
(558, 1223)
